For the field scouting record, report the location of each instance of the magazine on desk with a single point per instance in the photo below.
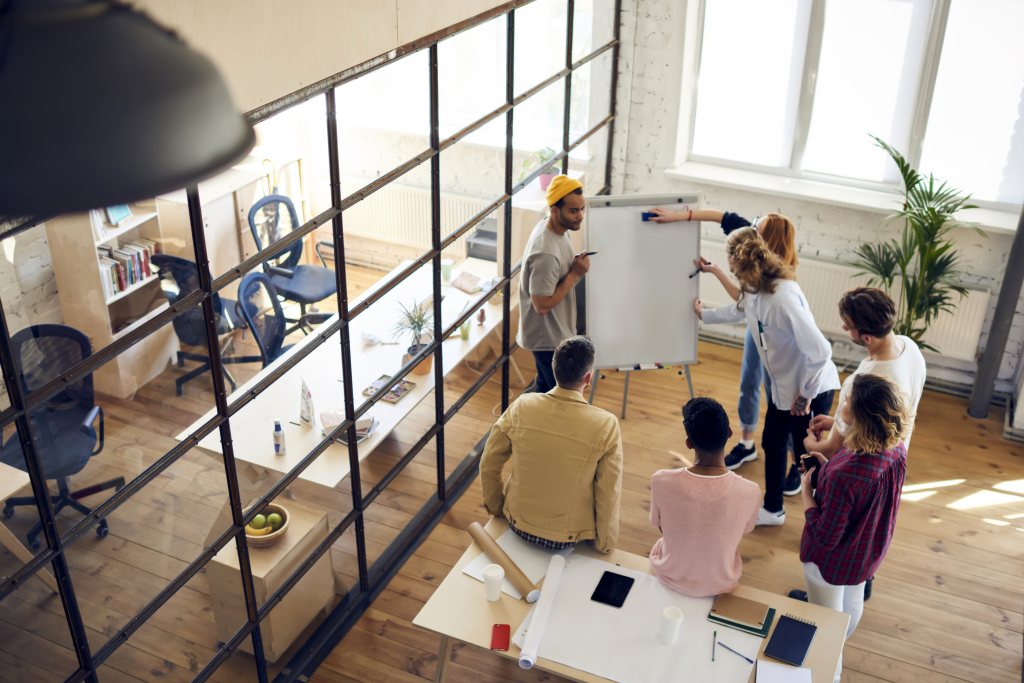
(397, 392)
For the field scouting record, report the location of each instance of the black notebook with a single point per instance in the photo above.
(791, 640)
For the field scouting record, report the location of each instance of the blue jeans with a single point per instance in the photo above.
(750, 385)
(545, 373)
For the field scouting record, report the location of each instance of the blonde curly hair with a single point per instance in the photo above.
(881, 416)
(754, 264)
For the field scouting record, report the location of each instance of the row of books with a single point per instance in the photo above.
(121, 267)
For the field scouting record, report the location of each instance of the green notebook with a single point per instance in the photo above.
(759, 632)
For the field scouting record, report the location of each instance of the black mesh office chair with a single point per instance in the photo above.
(259, 306)
(64, 426)
(180, 277)
(270, 219)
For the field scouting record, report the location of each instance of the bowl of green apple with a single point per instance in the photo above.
(268, 527)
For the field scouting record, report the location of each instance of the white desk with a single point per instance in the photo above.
(458, 612)
(259, 467)
(11, 481)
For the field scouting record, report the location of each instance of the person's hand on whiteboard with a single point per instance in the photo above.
(662, 215)
(801, 406)
(706, 266)
(580, 265)
(698, 306)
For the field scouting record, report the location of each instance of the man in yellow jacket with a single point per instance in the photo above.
(566, 460)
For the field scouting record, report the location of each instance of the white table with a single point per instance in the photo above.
(13, 480)
(251, 428)
(458, 612)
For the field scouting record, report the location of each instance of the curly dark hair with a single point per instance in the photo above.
(706, 424)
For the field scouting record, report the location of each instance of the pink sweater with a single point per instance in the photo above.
(702, 519)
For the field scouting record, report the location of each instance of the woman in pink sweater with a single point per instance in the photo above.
(702, 510)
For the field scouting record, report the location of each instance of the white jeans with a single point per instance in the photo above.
(849, 599)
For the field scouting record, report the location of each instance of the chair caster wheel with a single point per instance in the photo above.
(35, 544)
(8, 512)
(102, 531)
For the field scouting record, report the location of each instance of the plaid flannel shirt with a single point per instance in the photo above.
(858, 495)
(542, 542)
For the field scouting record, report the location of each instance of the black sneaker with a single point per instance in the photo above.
(739, 455)
(792, 485)
(867, 587)
(798, 595)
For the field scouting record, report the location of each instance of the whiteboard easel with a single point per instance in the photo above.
(639, 296)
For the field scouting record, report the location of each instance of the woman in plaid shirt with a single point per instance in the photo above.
(851, 516)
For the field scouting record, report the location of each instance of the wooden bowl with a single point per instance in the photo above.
(274, 536)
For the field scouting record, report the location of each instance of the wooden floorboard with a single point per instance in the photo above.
(948, 603)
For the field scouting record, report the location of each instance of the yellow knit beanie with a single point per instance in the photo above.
(560, 186)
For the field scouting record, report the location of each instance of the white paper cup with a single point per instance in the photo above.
(494, 576)
(671, 622)
(446, 268)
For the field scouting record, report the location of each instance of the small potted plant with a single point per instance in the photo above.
(543, 156)
(416, 320)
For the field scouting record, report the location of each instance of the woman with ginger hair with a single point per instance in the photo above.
(779, 234)
(796, 356)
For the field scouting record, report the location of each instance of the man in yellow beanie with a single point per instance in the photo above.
(547, 300)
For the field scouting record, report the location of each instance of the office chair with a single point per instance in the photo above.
(190, 326)
(64, 425)
(259, 306)
(270, 219)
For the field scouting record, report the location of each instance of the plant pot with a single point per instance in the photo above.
(425, 365)
(545, 180)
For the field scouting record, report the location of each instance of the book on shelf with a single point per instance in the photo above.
(99, 229)
(127, 265)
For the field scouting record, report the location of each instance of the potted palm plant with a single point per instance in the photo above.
(543, 156)
(416, 320)
(921, 270)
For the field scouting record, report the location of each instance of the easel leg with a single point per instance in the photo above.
(625, 393)
(444, 655)
(689, 381)
(593, 387)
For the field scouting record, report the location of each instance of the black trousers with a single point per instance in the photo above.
(545, 373)
(778, 426)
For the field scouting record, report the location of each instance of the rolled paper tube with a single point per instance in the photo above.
(541, 612)
(498, 556)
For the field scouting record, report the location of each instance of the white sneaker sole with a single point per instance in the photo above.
(749, 458)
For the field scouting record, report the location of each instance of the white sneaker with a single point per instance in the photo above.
(765, 518)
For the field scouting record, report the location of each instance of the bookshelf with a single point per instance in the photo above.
(104, 319)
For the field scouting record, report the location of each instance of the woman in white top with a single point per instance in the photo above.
(794, 353)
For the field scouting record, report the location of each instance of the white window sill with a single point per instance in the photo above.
(991, 220)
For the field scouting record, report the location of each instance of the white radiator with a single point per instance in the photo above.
(400, 214)
(824, 282)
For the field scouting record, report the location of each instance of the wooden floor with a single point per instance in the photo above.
(161, 529)
(947, 603)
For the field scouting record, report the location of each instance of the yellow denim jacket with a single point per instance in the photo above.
(567, 471)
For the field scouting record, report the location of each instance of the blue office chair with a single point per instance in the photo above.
(64, 425)
(259, 306)
(180, 277)
(270, 219)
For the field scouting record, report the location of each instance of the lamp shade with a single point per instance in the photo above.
(100, 106)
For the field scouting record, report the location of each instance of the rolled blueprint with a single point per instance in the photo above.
(671, 622)
(541, 611)
(498, 556)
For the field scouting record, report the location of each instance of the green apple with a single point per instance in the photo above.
(258, 522)
(275, 520)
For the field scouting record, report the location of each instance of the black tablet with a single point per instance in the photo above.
(612, 589)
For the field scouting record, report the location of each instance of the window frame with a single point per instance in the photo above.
(919, 121)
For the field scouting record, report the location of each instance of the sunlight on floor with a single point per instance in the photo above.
(933, 485)
(984, 499)
(1016, 486)
(918, 495)
(997, 522)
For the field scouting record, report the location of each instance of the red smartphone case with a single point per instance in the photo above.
(500, 635)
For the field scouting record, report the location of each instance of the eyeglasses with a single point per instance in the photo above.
(754, 224)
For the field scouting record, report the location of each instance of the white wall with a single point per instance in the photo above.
(655, 36)
(267, 49)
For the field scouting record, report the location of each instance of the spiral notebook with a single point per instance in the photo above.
(791, 640)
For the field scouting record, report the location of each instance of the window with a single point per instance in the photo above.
(796, 86)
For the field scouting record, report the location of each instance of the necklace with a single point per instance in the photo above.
(883, 350)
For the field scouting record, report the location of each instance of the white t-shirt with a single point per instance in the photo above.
(907, 371)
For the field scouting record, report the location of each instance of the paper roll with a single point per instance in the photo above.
(498, 556)
(494, 576)
(541, 611)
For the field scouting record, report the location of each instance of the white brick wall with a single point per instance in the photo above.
(650, 97)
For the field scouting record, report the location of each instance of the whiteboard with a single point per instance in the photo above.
(639, 296)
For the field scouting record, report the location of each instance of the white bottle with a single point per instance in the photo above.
(279, 445)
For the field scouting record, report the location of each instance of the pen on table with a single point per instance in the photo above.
(714, 639)
(699, 270)
(735, 653)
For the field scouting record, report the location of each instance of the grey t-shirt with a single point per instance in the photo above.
(546, 261)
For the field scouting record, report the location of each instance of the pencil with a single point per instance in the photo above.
(714, 639)
(736, 653)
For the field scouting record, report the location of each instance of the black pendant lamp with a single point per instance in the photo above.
(99, 105)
